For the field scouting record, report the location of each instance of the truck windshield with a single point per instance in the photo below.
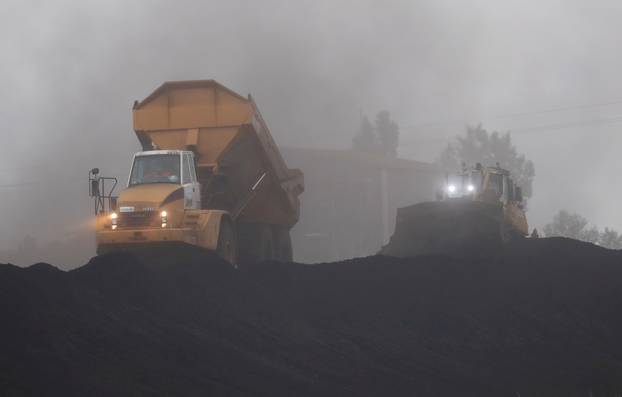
(476, 180)
(158, 168)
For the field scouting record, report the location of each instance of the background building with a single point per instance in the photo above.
(350, 200)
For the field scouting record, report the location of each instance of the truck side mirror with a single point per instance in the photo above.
(94, 187)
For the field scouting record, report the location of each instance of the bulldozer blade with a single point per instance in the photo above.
(453, 227)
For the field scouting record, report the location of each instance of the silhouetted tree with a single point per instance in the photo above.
(480, 146)
(365, 140)
(611, 239)
(565, 224)
(388, 133)
(591, 235)
(575, 226)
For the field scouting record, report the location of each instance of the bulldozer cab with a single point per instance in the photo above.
(500, 186)
(496, 187)
(489, 184)
(463, 185)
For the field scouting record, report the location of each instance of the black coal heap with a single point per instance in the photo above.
(540, 318)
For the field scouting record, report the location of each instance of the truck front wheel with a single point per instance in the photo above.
(227, 242)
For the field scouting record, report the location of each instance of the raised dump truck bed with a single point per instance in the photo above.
(229, 137)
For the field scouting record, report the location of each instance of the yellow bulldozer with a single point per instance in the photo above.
(477, 209)
(210, 175)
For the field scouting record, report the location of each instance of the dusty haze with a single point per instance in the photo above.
(71, 71)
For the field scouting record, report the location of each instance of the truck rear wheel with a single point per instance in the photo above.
(266, 244)
(227, 242)
(282, 243)
(257, 242)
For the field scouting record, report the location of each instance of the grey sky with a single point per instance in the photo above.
(71, 70)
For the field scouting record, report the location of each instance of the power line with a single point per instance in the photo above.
(517, 114)
(559, 126)
(545, 128)
(39, 166)
(29, 167)
(38, 183)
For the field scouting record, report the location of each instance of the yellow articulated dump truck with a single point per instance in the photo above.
(210, 175)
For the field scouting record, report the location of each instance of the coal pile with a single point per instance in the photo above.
(541, 318)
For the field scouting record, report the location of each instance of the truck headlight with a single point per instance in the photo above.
(164, 218)
(113, 220)
(451, 188)
(471, 188)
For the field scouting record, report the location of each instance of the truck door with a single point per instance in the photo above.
(189, 181)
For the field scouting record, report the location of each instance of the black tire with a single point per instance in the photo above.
(255, 243)
(227, 242)
(282, 243)
(266, 243)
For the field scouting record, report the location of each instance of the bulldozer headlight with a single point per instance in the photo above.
(471, 188)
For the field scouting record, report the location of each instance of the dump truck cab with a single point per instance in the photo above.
(162, 185)
(168, 167)
(161, 203)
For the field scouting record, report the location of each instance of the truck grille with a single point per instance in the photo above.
(138, 219)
